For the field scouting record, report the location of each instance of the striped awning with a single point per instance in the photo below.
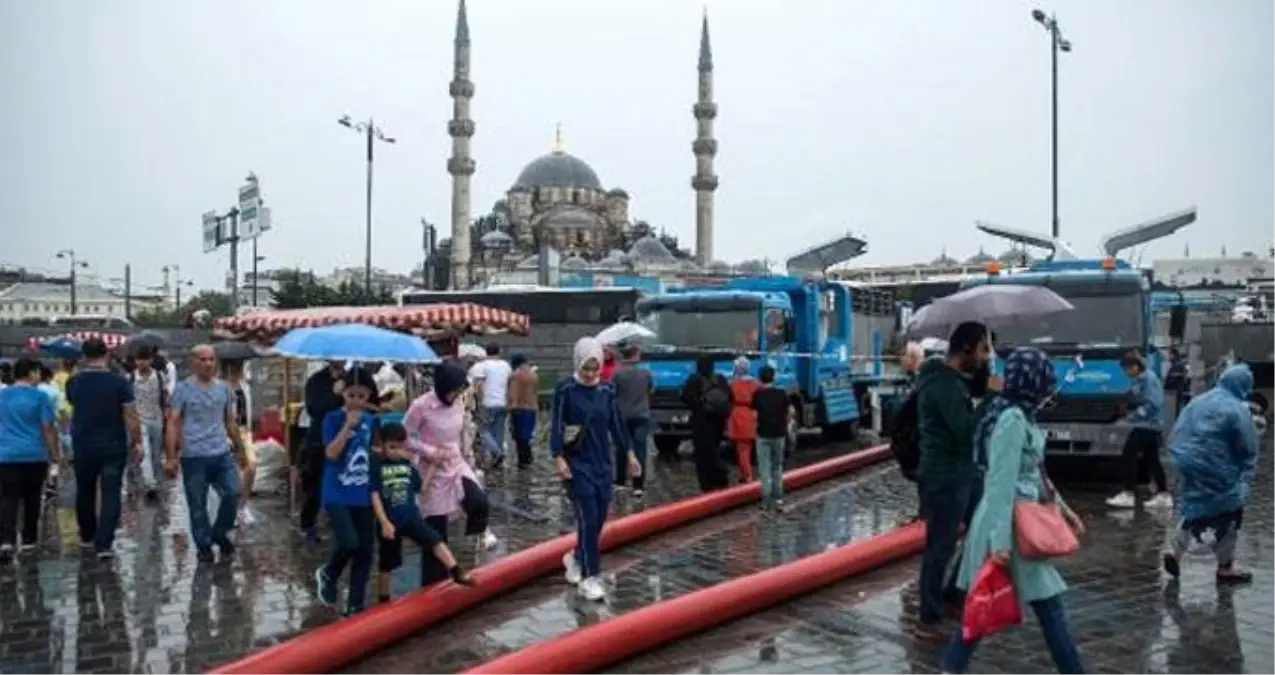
(424, 320)
(112, 340)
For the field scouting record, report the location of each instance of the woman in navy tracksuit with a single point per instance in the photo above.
(584, 413)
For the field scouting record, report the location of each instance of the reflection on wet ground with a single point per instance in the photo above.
(154, 609)
(1126, 616)
(740, 543)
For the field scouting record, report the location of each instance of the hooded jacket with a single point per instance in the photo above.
(1146, 402)
(945, 420)
(1214, 445)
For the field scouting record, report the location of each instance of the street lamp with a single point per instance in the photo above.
(1057, 43)
(255, 259)
(68, 254)
(372, 133)
(178, 282)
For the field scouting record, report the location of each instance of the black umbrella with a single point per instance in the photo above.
(145, 339)
(236, 351)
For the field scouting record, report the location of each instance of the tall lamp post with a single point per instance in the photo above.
(1057, 43)
(178, 282)
(68, 254)
(372, 133)
(255, 259)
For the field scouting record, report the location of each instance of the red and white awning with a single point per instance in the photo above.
(112, 340)
(424, 320)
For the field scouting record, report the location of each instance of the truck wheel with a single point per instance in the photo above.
(667, 445)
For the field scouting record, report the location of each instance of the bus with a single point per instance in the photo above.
(543, 305)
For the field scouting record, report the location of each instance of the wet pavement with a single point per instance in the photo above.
(739, 543)
(153, 609)
(1126, 616)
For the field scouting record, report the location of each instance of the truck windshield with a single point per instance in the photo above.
(1099, 320)
(730, 329)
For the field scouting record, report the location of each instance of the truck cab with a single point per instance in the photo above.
(803, 329)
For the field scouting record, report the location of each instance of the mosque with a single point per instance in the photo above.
(558, 201)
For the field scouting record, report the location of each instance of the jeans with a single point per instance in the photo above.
(639, 429)
(1142, 451)
(152, 453)
(1052, 616)
(770, 468)
(21, 489)
(943, 504)
(477, 511)
(94, 473)
(220, 474)
(353, 542)
(591, 515)
(493, 430)
(523, 425)
(311, 484)
(950, 592)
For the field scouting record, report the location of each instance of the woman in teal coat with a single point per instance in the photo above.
(1011, 446)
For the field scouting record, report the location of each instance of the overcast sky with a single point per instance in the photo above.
(124, 120)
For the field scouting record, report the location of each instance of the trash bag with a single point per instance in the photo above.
(991, 605)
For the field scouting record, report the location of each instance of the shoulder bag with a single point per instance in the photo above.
(1040, 530)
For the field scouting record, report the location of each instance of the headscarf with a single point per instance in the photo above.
(586, 348)
(741, 366)
(517, 361)
(449, 379)
(1029, 381)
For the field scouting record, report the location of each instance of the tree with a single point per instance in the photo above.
(302, 289)
(217, 303)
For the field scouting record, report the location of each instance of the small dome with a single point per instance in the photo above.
(532, 261)
(571, 218)
(496, 240)
(1015, 256)
(753, 267)
(618, 254)
(979, 258)
(558, 169)
(612, 264)
(649, 250)
(945, 261)
(574, 264)
(618, 193)
(718, 267)
(688, 265)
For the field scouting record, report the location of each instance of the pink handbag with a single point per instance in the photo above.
(1040, 529)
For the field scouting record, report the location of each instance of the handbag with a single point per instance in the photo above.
(1040, 530)
(572, 445)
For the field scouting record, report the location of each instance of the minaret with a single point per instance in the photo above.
(705, 148)
(460, 165)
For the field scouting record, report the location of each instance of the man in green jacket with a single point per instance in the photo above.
(945, 420)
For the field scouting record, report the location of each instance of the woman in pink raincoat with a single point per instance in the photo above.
(435, 425)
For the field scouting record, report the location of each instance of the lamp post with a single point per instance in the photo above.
(178, 282)
(68, 254)
(1057, 43)
(372, 133)
(255, 259)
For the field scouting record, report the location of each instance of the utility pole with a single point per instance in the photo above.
(371, 133)
(233, 216)
(1057, 43)
(176, 271)
(429, 245)
(255, 259)
(128, 292)
(68, 254)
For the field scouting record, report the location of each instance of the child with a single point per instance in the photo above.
(346, 493)
(1142, 449)
(395, 484)
(771, 404)
(435, 425)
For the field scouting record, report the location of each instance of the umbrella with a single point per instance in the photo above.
(994, 305)
(147, 339)
(63, 347)
(236, 351)
(469, 350)
(354, 342)
(625, 331)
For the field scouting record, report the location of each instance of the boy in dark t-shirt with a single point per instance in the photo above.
(395, 486)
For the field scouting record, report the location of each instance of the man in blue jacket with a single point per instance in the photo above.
(1214, 446)
(1142, 448)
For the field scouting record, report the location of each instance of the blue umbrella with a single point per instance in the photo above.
(354, 342)
(63, 348)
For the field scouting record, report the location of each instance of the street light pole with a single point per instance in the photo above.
(1057, 43)
(371, 133)
(176, 271)
(68, 254)
(255, 259)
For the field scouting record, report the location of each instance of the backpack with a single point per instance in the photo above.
(905, 437)
(715, 399)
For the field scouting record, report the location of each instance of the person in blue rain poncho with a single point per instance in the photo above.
(1214, 446)
(583, 415)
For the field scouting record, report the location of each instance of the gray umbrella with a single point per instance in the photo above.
(236, 351)
(147, 338)
(995, 305)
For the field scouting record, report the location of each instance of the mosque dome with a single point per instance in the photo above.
(496, 240)
(979, 258)
(649, 250)
(558, 169)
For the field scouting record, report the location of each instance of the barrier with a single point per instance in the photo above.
(329, 647)
(592, 648)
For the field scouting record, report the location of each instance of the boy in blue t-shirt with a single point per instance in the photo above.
(395, 485)
(346, 492)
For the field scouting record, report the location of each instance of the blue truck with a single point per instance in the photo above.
(825, 339)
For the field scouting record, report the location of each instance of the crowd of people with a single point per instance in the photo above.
(980, 450)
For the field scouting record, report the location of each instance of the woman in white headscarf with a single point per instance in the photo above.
(741, 426)
(584, 413)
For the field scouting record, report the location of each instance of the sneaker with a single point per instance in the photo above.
(105, 554)
(779, 506)
(324, 588)
(573, 574)
(592, 589)
(27, 547)
(246, 518)
(1124, 500)
(351, 610)
(639, 493)
(489, 540)
(1162, 500)
(226, 547)
(1230, 575)
(86, 545)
